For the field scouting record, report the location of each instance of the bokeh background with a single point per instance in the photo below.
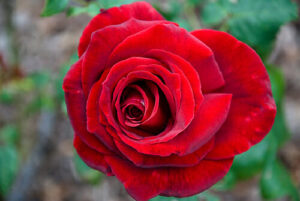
(38, 41)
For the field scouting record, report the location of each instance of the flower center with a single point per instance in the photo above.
(134, 113)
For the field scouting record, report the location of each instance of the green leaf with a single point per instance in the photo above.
(276, 182)
(6, 96)
(9, 135)
(251, 162)
(53, 7)
(172, 11)
(195, 2)
(8, 168)
(91, 9)
(254, 22)
(85, 172)
(227, 182)
(280, 130)
(161, 198)
(206, 196)
(40, 79)
(214, 13)
(277, 82)
(111, 3)
(182, 23)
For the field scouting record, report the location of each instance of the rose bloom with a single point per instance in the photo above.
(163, 109)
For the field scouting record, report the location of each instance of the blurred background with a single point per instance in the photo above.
(38, 42)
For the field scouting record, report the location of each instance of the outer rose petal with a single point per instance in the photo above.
(253, 108)
(91, 157)
(145, 183)
(117, 15)
(103, 43)
(146, 161)
(178, 41)
(76, 102)
(92, 113)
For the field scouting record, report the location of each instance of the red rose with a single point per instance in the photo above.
(162, 109)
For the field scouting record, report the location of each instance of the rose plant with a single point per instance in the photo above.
(163, 109)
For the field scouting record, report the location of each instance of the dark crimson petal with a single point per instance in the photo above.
(114, 79)
(183, 96)
(159, 113)
(178, 64)
(76, 104)
(176, 40)
(123, 111)
(154, 119)
(92, 113)
(253, 108)
(122, 68)
(91, 157)
(117, 15)
(102, 44)
(148, 161)
(131, 132)
(208, 119)
(148, 100)
(177, 83)
(105, 97)
(145, 183)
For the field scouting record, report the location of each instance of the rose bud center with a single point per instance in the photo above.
(134, 113)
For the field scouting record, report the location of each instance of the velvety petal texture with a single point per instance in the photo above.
(162, 109)
(253, 109)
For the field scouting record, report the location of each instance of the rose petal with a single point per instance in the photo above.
(148, 161)
(103, 43)
(208, 119)
(253, 108)
(145, 183)
(179, 65)
(92, 113)
(91, 157)
(76, 103)
(117, 15)
(178, 41)
(132, 77)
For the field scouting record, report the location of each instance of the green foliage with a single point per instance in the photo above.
(8, 168)
(171, 11)
(10, 91)
(6, 96)
(53, 7)
(205, 196)
(160, 198)
(9, 134)
(276, 181)
(111, 3)
(44, 96)
(40, 79)
(85, 172)
(251, 162)
(254, 22)
(227, 182)
(279, 130)
(91, 9)
(9, 161)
